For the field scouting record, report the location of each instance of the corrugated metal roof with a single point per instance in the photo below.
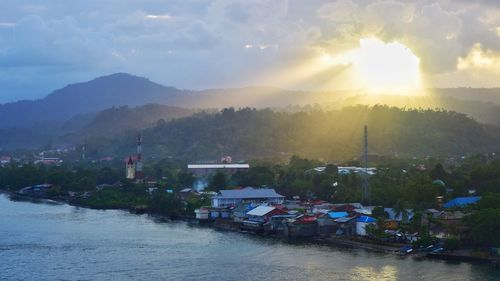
(248, 193)
(260, 211)
(462, 201)
(344, 219)
(336, 215)
(218, 166)
(365, 219)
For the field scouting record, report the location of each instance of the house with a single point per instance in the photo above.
(346, 225)
(186, 193)
(49, 161)
(347, 207)
(228, 198)
(448, 223)
(4, 160)
(357, 170)
(222, 213)
(361, 223)
(276, 223)
(327, 224)
(461, 202)
(263, 213)
(202, 213)
(239, 213)
(260, 215)
(321, 207)
(301, 226)
(336, 215)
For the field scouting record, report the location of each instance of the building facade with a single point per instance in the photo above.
(229, 198)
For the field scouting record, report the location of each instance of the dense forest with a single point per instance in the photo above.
(318, 134)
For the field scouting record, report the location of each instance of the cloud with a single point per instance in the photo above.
(479, 58)
(222, 43)
(36, 42)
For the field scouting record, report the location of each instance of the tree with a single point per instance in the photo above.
(401, 209)
(377, 230)
(378, 212)
(217, 182)
(438, 172)
(485, 227)
(165, 204)
(185, 179)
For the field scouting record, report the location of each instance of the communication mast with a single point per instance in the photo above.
(138, 165)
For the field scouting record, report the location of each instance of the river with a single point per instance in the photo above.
(61, 242)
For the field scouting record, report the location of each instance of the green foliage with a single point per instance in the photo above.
(452, 244)
(377, 230)
(217, 182)
(116, 198)
(256, 176)
(378, 212)
(484, 222)
(438, 172)
(195, 202)
(317, 134)
(166, 204)
(55, 190)
(185, 178)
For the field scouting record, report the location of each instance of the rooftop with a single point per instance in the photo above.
(248, 193)
(260, 211)
(218, 166)
(461, 201)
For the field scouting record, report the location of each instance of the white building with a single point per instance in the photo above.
(208, 169)
(227, 198)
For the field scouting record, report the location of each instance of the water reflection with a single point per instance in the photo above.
(47, 242)
(369, 273)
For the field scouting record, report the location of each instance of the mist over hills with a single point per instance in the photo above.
(483, 111)
(123, 89)
(329, 135)
(109, 106)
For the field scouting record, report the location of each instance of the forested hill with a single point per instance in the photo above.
(330, 135)
(113, 122)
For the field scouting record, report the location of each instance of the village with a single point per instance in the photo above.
(437, 231)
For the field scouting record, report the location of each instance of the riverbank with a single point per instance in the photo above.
(60, 242)
(468, 255)
(332, 241)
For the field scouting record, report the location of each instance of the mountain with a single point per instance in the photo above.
(94, 109)
(329, 135)
(98, 94)
(122, 89)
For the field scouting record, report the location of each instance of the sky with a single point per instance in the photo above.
(295, 44)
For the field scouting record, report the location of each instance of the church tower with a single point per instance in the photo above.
(130, 172)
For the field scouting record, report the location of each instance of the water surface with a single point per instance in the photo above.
(61, 242)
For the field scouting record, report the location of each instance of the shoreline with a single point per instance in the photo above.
(344, 242)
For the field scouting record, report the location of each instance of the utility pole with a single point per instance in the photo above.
(366, 187)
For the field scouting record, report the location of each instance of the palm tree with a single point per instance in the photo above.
(400, 209)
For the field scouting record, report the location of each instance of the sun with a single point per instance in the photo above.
(381, 67)
(387, 66)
